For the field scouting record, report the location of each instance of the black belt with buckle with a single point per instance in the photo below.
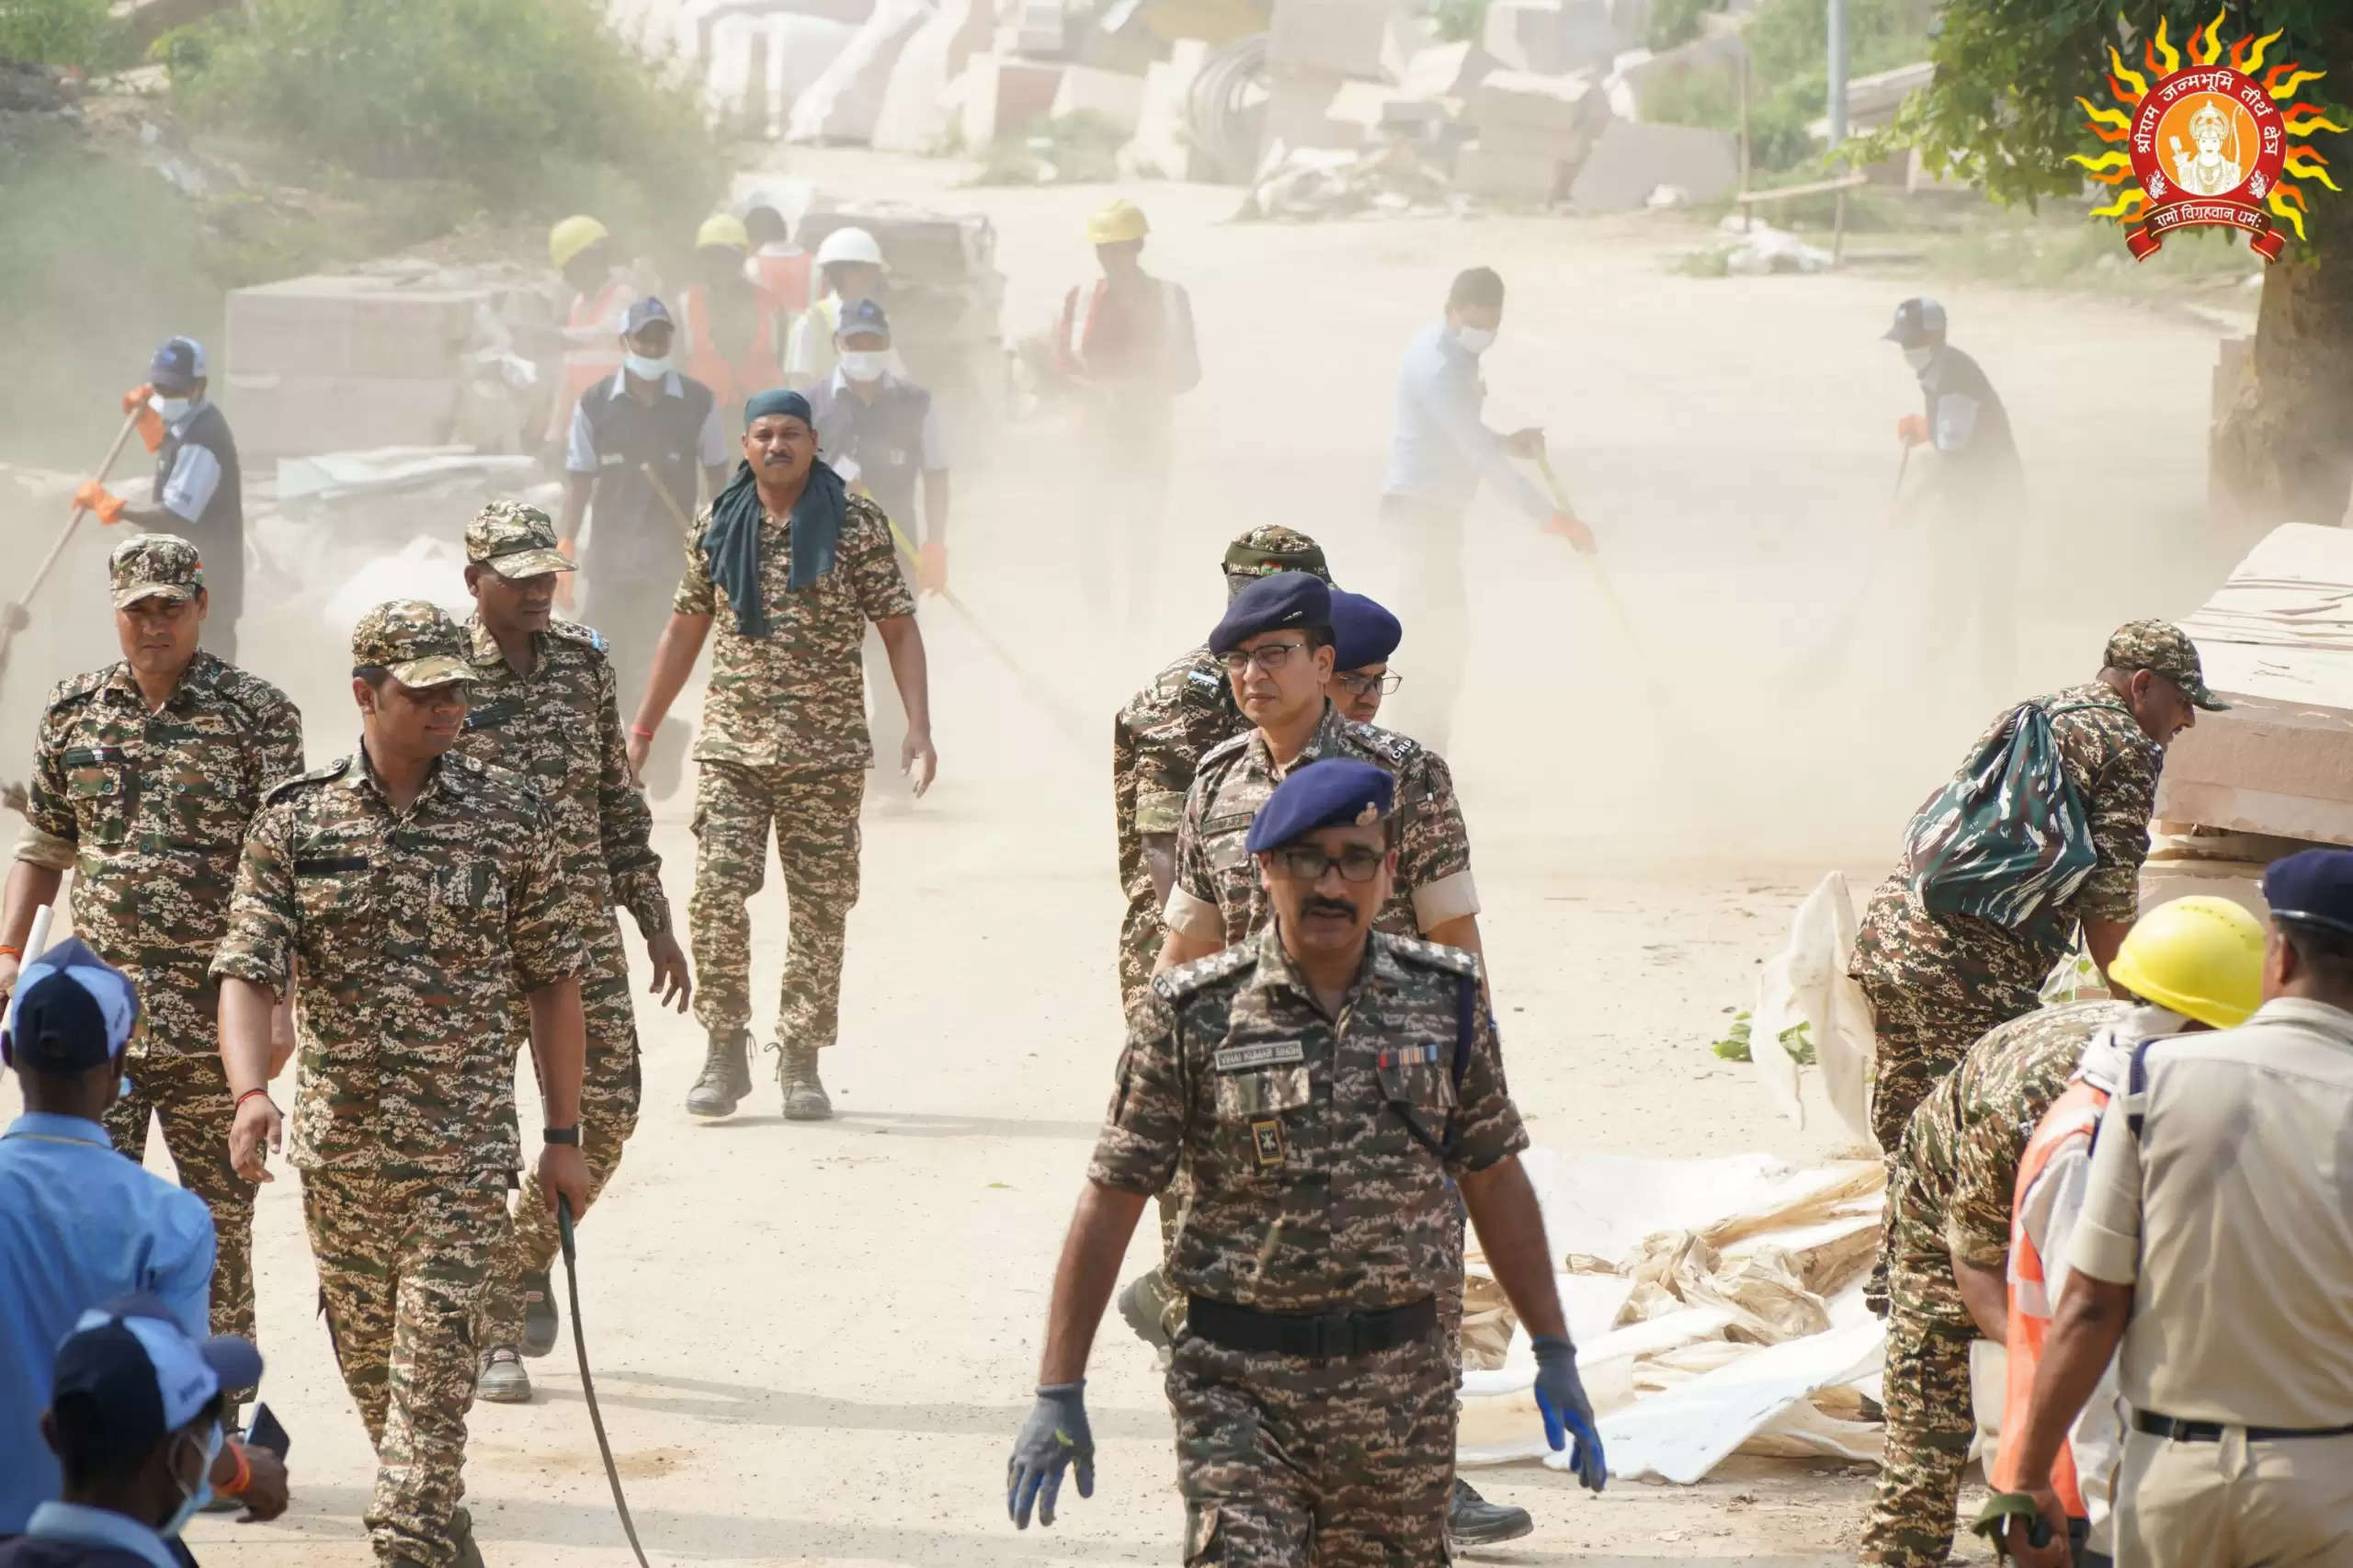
(2157, 1425)
(1317, 1334)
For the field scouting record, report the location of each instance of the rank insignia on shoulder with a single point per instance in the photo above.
(1267, 1135)
(1205, 680)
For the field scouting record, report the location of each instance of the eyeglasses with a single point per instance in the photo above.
(1365, 686)
(1355, 864)
(1269, 657)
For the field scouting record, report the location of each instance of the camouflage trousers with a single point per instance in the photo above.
(610, 1082)
(1288, 1463)
(1141, 935)
(1925, 1026)
(400, 1271)
(815, 819)
(1929, 1425)
(176, 1078)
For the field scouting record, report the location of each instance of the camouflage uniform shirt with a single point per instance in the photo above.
(1309, 1188)
(1959, 1154)
(149, 811)
(2115, 768)
(416, 931)
(795, 699)
(560, 728)
(1217, 879)
(1157, 742)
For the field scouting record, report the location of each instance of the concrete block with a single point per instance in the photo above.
(1550, 36)
(297, 415)
(2261, 769)
(1562, 146)
(1161, 148)
(1110, 96)
(1631, 160)
(1005, 96)
(1563, 104)
(1446, 71)
(1506, 175)
(843, 103)
(349, 326)
(918, 113)
(1367, 39)
(1299, 112)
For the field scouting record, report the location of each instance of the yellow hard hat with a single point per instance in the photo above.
(572, 236)
(1122, 220)
(2200, 956)
(722, 229)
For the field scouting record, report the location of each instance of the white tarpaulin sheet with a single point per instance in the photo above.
(1714, 1308)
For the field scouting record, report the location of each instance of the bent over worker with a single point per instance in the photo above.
(1327, 1088)
(2216, 1250)
(541, 705)
(422, 896)
(146, 775)
(791, 567)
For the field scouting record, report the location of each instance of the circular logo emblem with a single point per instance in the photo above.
(2207, 147)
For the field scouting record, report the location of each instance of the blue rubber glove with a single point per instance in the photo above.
(1560, 1396)
(1055, 1435)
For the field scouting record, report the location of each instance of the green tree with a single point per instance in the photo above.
(2004, 109)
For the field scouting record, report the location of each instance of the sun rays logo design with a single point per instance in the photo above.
(2209, 145)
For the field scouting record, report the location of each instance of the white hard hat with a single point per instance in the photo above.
(849, 245)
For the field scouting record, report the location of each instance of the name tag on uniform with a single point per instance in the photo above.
(1267, 1135)
(1231, 823)
(1274, 1054)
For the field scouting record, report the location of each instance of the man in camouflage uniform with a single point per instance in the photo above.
(1156, 743)
(1939, 982)
(541, 704)
(422, 894)
(1276, 644)
(145, 774)
(1989, 1104)
(784, 742)
(1327, 1088)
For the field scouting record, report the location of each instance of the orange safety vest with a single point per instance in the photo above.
(592, 350)
(784, 275)
(761, 365)
(2075, 1114)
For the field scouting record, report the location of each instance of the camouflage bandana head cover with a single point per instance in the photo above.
(2162, 648)
(1272, 548)
(415, 643)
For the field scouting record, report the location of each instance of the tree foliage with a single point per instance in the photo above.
(2003, 107)
(79, 33)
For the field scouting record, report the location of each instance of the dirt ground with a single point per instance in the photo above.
(814, 1343)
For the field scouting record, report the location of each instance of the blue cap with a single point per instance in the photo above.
(1337, 792)
(1362, 632)
(134, 1377)
(645, 314)
(2313, 887)
(72, 1011)
(863, 315)
(178, 365)
(1918, 323)
(1270, 604)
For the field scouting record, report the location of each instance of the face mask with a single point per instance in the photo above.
(172, 409)
(1475, 339)
(645, 369)
(192, 1502)
(1918, 358)
(865, 364)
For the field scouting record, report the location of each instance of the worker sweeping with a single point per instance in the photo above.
(731, 330)
(198, 491)
(582, 250)
(849, 268)
(1126, 344)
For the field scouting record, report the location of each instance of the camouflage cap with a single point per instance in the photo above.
(515, 539)
(416, 643)
(2162, 648)
(1272, 548)
(147, 566)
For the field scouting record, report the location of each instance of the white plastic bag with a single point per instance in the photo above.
(1806, 983)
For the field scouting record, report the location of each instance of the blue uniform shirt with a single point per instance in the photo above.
(1441, 448)
(79, 1225)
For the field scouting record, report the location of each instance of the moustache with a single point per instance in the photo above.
(1340, 907)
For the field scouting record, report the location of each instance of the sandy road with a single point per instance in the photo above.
(814, 1343)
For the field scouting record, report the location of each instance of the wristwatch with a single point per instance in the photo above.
(562, 1135)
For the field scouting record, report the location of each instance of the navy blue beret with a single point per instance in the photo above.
(1270, 604)
(1331, 793)
(1362, 632)
(2313, 887)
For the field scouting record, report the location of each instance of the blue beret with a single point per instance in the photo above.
(1331, 793)
(2313, 887)
(1287, 598)
(1362, 632)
